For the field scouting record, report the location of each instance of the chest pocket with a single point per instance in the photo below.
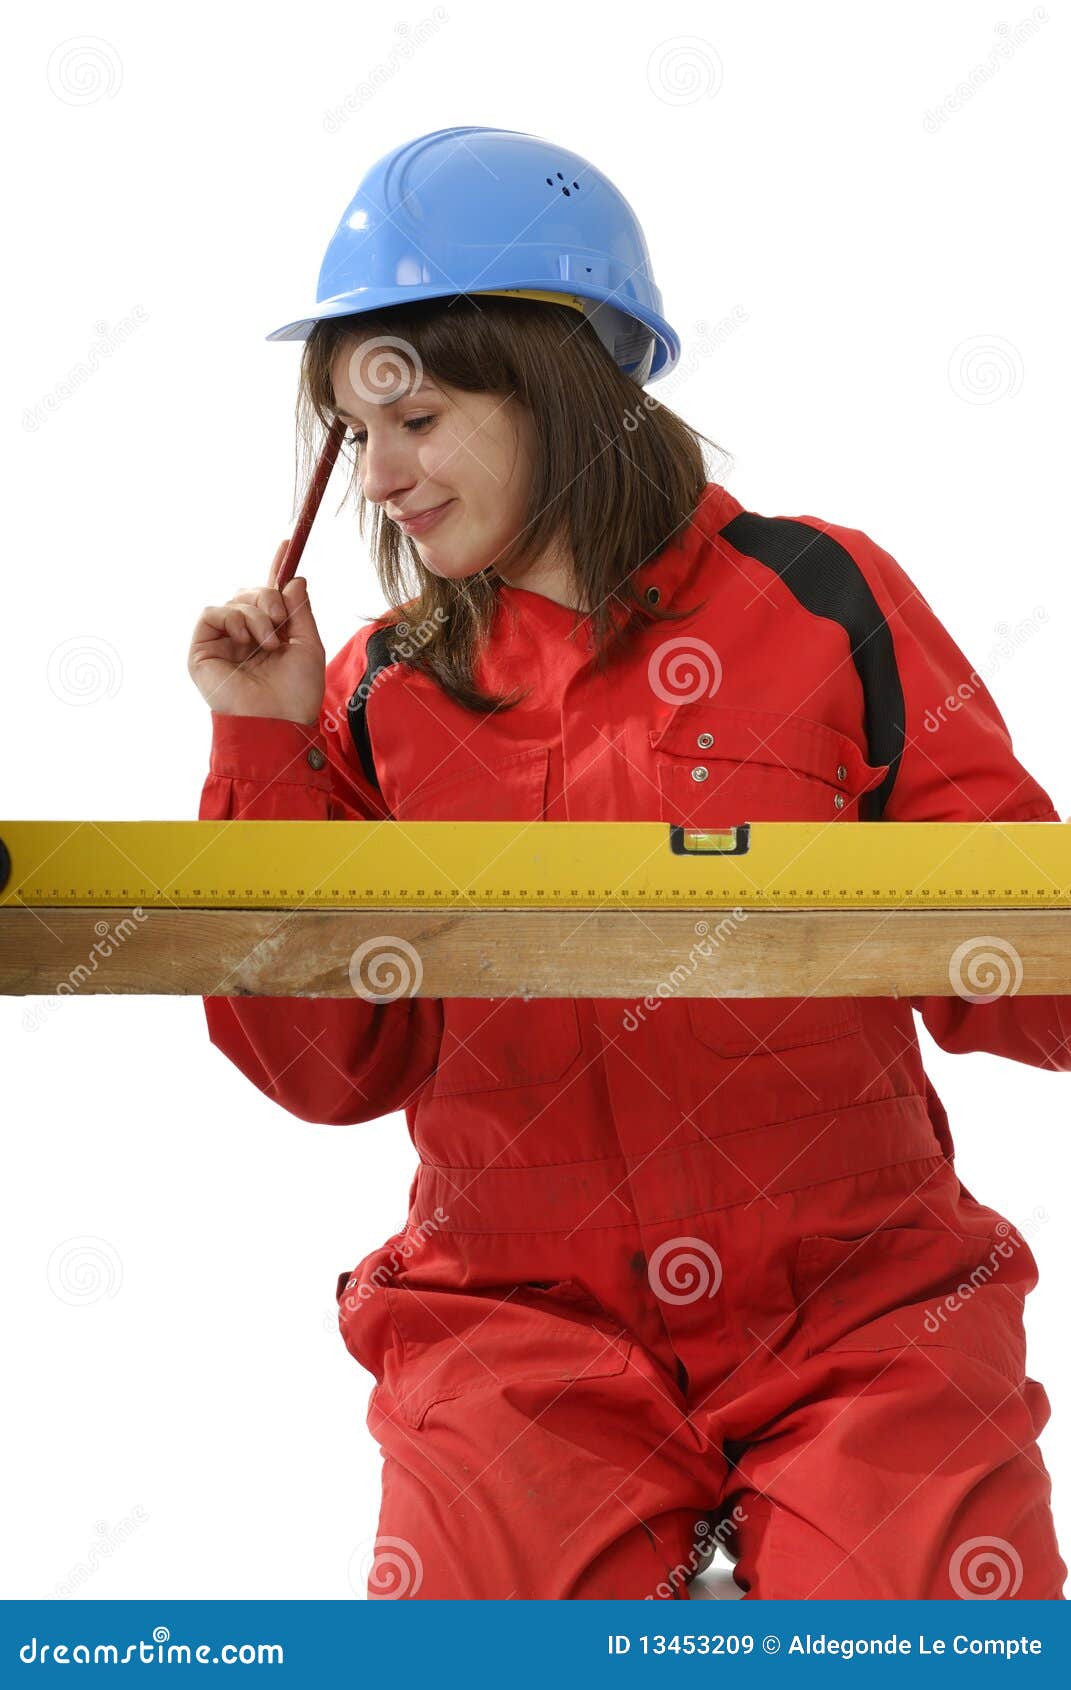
(496, 1044)
(718, 766)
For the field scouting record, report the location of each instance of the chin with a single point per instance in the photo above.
(450, 569)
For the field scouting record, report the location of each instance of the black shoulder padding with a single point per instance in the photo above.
(826, 580)
(380, 656)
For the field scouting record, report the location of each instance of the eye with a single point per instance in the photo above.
(417, 424)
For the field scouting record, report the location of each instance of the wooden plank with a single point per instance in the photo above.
(539, 953)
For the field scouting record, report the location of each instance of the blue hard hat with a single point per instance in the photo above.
(475, 211)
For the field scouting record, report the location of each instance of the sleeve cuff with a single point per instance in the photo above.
(267, 749)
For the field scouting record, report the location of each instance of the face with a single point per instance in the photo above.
(426, 444)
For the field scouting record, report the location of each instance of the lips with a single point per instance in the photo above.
(423, 519)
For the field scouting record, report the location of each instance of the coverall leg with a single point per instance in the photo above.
(880, 1444)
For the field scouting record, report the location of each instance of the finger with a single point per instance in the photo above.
(235, 623)
(266, 599)
(246, 626)
(275, 562)
(260, 625)
(212, 616)
(301, 624)
(218, 622)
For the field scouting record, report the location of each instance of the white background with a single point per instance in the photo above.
(861, 201)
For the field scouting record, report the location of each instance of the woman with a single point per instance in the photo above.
(674, 1272)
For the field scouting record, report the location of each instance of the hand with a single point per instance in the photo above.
(260, 654)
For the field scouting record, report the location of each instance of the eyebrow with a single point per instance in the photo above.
(411, 393)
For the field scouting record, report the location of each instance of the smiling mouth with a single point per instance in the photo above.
(424, 519)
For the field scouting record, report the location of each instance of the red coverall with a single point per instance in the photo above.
(678, 1267)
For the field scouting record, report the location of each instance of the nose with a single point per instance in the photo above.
(388, 470)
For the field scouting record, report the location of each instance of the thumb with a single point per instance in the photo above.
(300, 618)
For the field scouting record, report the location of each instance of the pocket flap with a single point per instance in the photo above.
(767, 737)
(457, 1341)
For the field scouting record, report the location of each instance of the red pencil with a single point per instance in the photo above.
(310, 505)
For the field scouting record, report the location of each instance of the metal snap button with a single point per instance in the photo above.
(842, 773)
(705, 741)
(315, 757)
(653, 595)
(839, 800)
(699, 772)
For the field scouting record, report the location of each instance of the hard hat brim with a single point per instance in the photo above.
(361, 301)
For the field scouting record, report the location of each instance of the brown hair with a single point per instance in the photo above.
(615, 473)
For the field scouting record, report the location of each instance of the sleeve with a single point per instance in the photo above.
(958, 765)
(333, 1061)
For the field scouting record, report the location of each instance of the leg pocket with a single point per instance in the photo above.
(455, 1343)
(900, 1287)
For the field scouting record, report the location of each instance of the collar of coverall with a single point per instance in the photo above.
(661, 579)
